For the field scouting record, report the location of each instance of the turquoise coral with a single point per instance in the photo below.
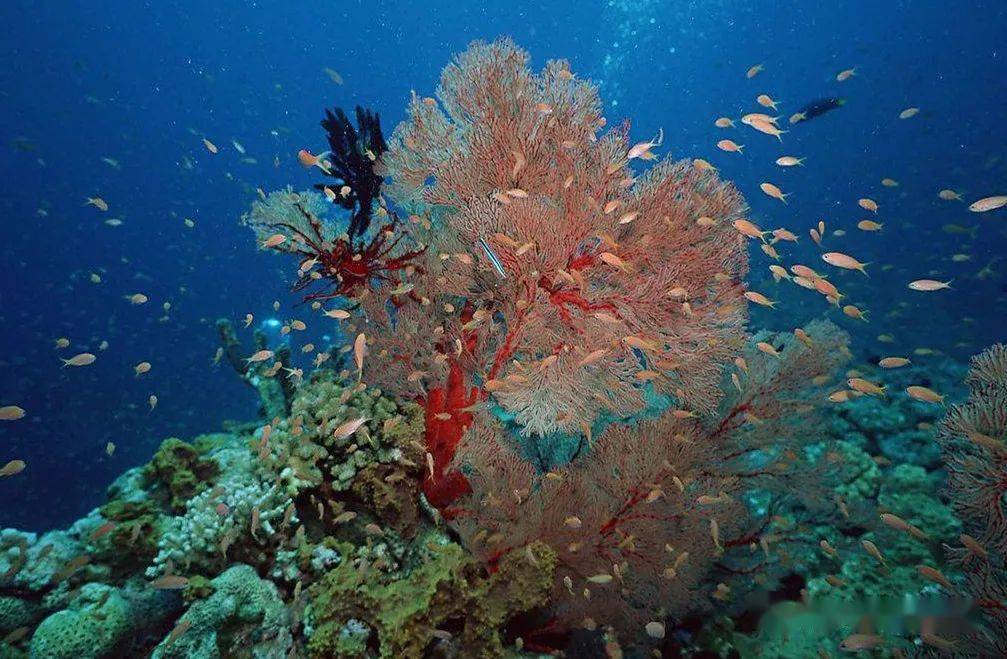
(244, 615)
(97, 624)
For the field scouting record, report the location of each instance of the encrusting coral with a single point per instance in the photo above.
(244, 615)
(181, 471)
(95, 625)
(445, 590)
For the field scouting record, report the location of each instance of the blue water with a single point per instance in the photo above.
(143, 83)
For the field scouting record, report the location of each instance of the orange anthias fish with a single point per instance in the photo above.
(308, 160)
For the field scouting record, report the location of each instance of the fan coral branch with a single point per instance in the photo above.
(589, 289)
(973, 439)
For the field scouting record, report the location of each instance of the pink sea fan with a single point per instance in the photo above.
(657, 507)
(587, 286)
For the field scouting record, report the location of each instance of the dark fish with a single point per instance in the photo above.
(821, 106)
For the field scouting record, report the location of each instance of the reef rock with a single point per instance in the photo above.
(244, 616)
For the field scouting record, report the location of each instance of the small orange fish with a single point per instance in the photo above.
(845, 261)
(307, 160)
(855, 312)
(865, 387)
(102, 530)
(730, 146)
(613, 260)
(83, 359)
(169, 582)
(260, 356)
(987, 204)
(98, 203)
(924, 394)
(760, 299)
(868, 204)
(790, 161)
(274, 240)
(773, 191)
(11, 413)
(749, 229)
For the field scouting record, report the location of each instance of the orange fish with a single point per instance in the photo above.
(307, 160)
(730, 146)
(845, 261)
(773, 191)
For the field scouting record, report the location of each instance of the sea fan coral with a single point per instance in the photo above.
(556, 285)
(648, 511)
(544, 300)
(973, 439)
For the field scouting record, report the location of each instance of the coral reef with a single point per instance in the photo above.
(274, 390)
(96, 624)
(557, 434)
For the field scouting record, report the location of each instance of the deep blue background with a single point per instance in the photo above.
(143, 83)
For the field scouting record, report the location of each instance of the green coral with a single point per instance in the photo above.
(97, 624)
(198, 588)
(405, 612)
(182, 470)
(859, 476)
(243, 617)
(16, 612)
(129, 543)
(302, 450)
(908, 492)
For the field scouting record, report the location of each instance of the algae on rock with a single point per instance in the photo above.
(405, 614)
(181, 470)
